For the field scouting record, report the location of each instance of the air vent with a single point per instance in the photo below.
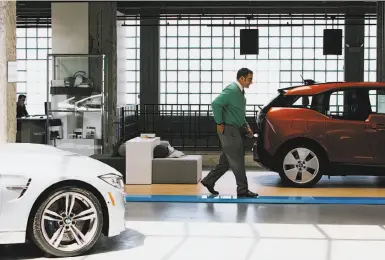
(25, 189)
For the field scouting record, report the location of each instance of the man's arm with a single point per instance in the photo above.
(246, 124)
(219, 103)
(249, 132)
(25, 112)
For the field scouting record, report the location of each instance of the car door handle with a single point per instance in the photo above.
(380, 127)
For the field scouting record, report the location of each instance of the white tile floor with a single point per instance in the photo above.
(193, 240)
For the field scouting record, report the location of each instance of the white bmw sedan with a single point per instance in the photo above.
(58, 200)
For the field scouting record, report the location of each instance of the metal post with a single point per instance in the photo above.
(380, 40)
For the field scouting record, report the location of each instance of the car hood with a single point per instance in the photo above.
(28, 148)
(46, 159)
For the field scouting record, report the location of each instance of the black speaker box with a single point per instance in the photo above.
(249, 41)
(332, 42)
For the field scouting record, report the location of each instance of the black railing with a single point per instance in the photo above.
(127, 122)
(186, 127)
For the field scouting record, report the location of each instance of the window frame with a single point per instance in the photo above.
(345, 117)
(377, 101)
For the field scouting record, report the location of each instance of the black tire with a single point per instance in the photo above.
(36, 233)
(322, 162)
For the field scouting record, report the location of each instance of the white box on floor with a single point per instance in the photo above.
(139, 155)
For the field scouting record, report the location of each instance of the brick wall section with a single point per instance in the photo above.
(7, 53)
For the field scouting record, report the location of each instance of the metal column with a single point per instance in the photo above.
(380, 40)
(149, 61)
(102, 40)
(354, 48)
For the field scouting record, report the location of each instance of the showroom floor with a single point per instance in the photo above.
(269, 184)
(239, 231)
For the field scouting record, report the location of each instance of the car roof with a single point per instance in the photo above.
(317, 88)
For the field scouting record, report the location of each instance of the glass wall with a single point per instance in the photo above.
(370, 45)
(32, 47)
(128, 64)
(197, 60)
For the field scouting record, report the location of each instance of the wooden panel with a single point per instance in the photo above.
(268, 184)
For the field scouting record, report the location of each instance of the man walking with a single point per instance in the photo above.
(229, 110)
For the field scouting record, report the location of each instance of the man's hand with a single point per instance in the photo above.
(220, 128)
(250, 133)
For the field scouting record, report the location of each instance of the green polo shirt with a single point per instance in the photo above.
(230, 107)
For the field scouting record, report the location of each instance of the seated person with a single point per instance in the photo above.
(21, 110)
(359, 105)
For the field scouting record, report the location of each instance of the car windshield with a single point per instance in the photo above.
(274, 97)
(271, 101)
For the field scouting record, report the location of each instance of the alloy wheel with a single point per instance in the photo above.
(301, 165)
(69, 222)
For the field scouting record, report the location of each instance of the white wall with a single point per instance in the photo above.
(70, 34)
(70, 28)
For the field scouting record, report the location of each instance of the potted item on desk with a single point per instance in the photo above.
(90, 134)
(78, 133)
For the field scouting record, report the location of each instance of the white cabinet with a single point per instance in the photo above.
(139, 155)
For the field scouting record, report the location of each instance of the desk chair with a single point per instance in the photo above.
(56, 133)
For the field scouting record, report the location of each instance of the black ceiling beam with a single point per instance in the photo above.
(33, 9)
(42, 9)
(291, 17)
(241, 7)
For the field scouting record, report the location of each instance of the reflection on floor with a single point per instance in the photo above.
(163, 231)
(269, 184)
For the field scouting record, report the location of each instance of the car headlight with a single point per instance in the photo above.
(114, 180)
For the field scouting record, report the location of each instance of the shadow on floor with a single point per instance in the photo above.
(272, 180)
(129, 239)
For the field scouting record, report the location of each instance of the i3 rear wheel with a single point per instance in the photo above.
(301, 165)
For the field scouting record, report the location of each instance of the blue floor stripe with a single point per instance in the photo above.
(259, 200)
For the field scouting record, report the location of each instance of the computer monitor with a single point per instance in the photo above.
(47, 107)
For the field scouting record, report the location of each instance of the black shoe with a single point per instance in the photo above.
(210, 188)
(248, 194)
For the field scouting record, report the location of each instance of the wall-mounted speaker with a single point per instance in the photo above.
(332, 42)
(249, 41)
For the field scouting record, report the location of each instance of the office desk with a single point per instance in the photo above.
(33, 129)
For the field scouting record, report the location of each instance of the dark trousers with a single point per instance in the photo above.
(232, 157)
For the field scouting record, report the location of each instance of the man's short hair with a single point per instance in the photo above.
(21, 96)
(244, 72)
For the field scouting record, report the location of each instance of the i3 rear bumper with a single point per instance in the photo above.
(260, 155)
(255, 153)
